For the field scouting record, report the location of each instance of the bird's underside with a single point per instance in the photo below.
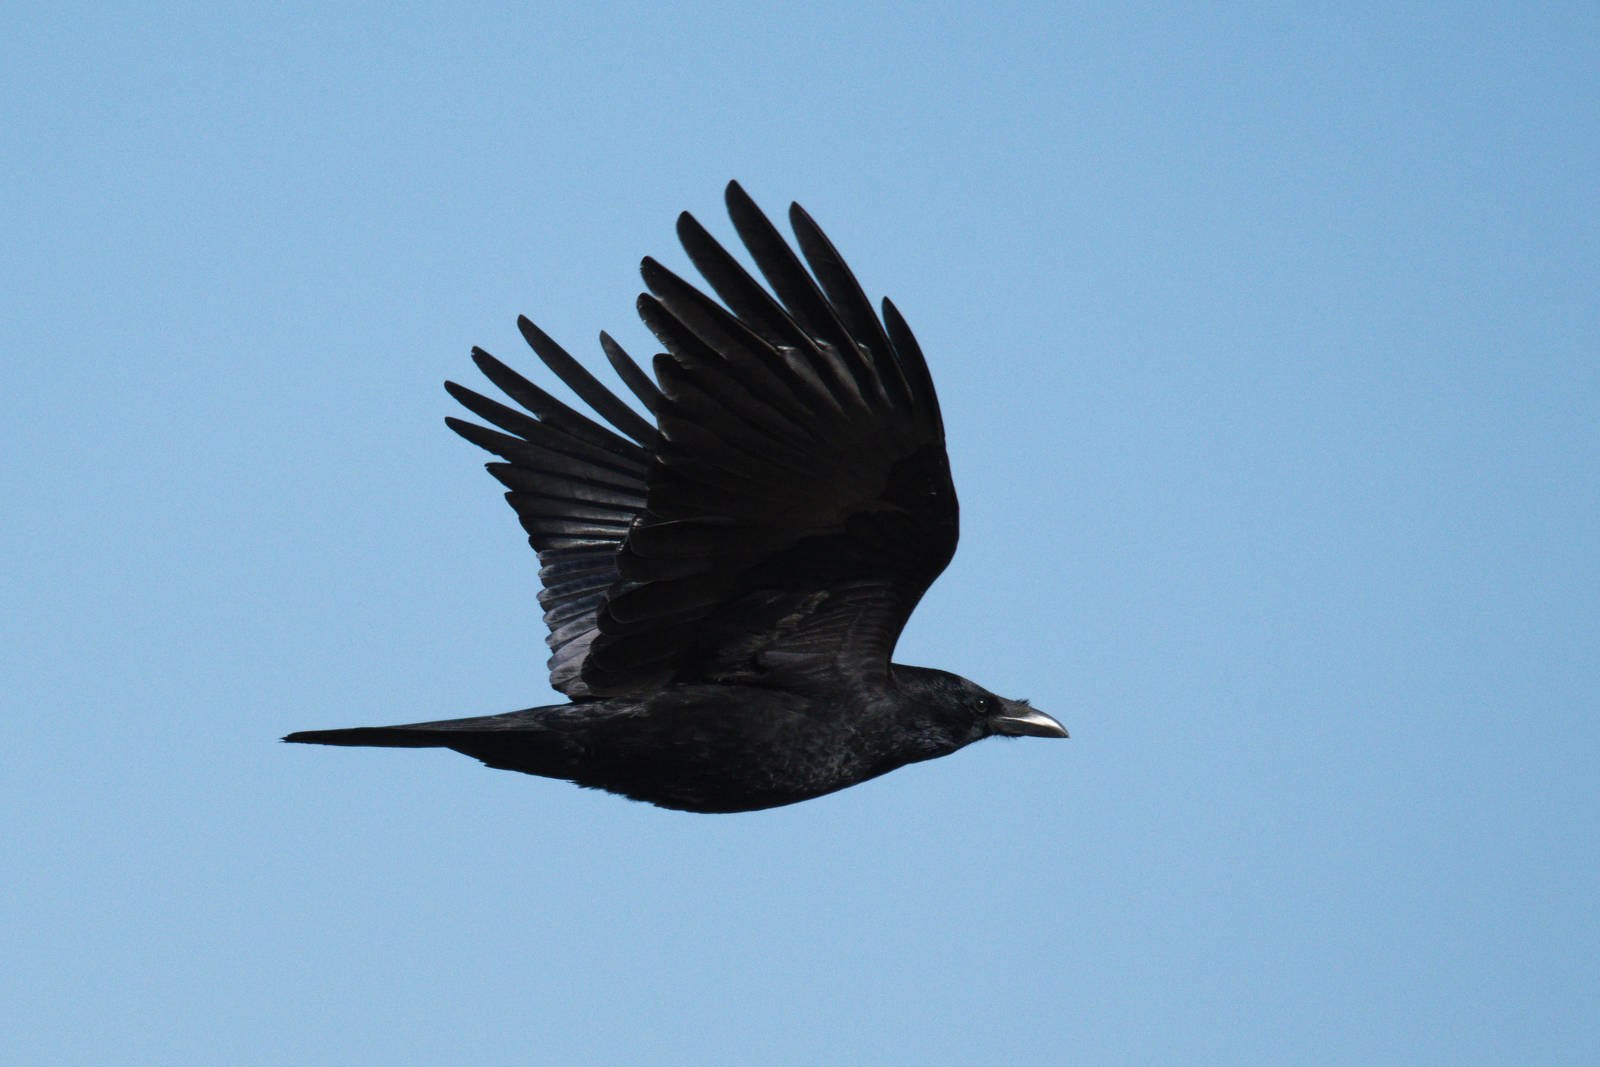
(725, 580)
(721, 748)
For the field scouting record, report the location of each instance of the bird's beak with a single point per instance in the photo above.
(1019, 720)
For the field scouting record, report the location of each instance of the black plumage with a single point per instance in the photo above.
(724, 588)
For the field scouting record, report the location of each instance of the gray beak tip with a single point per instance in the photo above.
(1019, 720)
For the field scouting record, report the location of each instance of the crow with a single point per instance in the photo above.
(724, 587)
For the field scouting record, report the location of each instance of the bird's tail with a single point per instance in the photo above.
(445, 733)
(518, 741)
(374, 736)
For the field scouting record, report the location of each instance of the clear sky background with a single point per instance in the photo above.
(1269, 345)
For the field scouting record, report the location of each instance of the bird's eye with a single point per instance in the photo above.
(983, 705)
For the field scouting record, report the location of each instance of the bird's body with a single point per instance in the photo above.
(705, 748)
(724, 588)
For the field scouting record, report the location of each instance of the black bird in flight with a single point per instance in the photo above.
(724, 588)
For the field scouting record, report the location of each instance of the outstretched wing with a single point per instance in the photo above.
(575, 485)
(799, 502)
(786, 513)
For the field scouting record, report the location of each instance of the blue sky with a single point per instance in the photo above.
(1267, 340)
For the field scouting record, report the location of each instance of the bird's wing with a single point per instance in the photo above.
(799, 501)
(575, 484)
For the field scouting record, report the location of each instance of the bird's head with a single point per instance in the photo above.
(952, 711)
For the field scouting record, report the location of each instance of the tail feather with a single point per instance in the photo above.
(445, 733)
(518, 741)
(373, 736)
